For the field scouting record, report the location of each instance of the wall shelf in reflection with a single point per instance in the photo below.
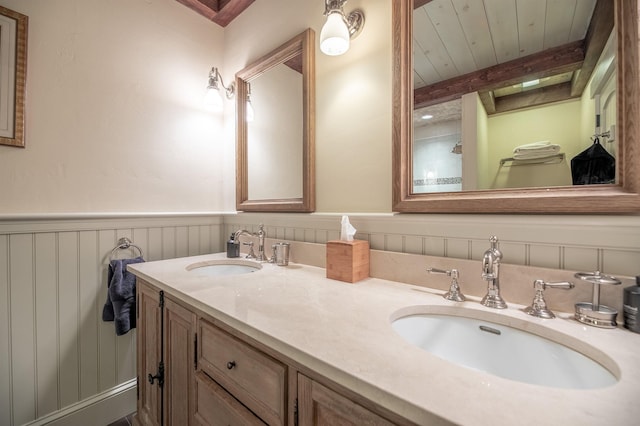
(552, 159)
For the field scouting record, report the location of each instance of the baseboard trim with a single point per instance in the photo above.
(101, 409)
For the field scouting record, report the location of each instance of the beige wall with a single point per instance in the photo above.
(483, 140)
(114, 106)
(114, 119)
(558, 123)
(353, 98)
(115, 124)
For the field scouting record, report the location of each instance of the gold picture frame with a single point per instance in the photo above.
(13, 74)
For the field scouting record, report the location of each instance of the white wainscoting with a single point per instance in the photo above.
(607, 243)
(60, 364)
(58, 359)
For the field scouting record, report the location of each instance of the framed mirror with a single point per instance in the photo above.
(622, 195)
(275, 119)
(13, 73)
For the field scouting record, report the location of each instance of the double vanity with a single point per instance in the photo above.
(238, 342)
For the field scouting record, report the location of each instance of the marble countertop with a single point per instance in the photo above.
(342, 331)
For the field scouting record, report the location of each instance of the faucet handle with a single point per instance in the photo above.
(251, 254)
(454, 294)
(538, 307)
(441, 271)
(487, 276)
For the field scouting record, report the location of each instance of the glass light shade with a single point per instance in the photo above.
(334, 37)
(213, 99)
(249, 112)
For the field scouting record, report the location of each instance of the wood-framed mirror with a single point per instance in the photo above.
(622, 196)
(276, 137)
(13, 59)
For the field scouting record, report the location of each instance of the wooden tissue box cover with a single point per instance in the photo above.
(348, 260)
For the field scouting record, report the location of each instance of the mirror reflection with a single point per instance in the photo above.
(275, 134)
(276, 129)
(513, 95)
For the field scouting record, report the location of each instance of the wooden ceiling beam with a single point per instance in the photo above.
(489, 101)
(568, 57)
(598, 33)
(222, 12)
(420, 3)
(535, 97)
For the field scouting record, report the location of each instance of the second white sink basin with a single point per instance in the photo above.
(504, 351)
(215, 268)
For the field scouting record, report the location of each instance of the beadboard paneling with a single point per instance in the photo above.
(46, 321)
(607, 243)
(6, 413)
(55, 350)
(57, 354)
(22, 316)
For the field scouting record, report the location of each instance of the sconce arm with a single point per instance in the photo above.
(215, 77)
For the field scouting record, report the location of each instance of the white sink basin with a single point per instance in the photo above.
(216, 268)
(504, 351)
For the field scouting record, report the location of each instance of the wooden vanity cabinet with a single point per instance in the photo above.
(148, 337)
(320, 406)
(193, 370)
(180, 341)
(219, 380)
(166, 359)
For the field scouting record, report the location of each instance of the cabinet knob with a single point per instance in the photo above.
(231, 364)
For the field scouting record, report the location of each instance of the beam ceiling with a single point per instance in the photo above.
(222, 12)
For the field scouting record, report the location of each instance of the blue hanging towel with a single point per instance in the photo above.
(120, 306)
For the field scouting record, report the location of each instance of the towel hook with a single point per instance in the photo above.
(123, 244)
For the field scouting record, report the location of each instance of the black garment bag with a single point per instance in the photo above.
(593, 165)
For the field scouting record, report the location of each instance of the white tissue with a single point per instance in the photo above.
(347, 231)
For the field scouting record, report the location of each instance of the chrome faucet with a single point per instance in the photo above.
(491, 273)
(539, 307)
(236, 236)
(454, 294)
(261, 235)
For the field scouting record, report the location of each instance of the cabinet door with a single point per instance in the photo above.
(320, 406)
(179, 338)
(148, 353)
(216, 407)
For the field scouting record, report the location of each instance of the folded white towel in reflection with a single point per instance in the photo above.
(535, 150)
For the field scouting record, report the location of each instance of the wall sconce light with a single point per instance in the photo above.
(339, 29)
(213, 97)
(249, 112)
